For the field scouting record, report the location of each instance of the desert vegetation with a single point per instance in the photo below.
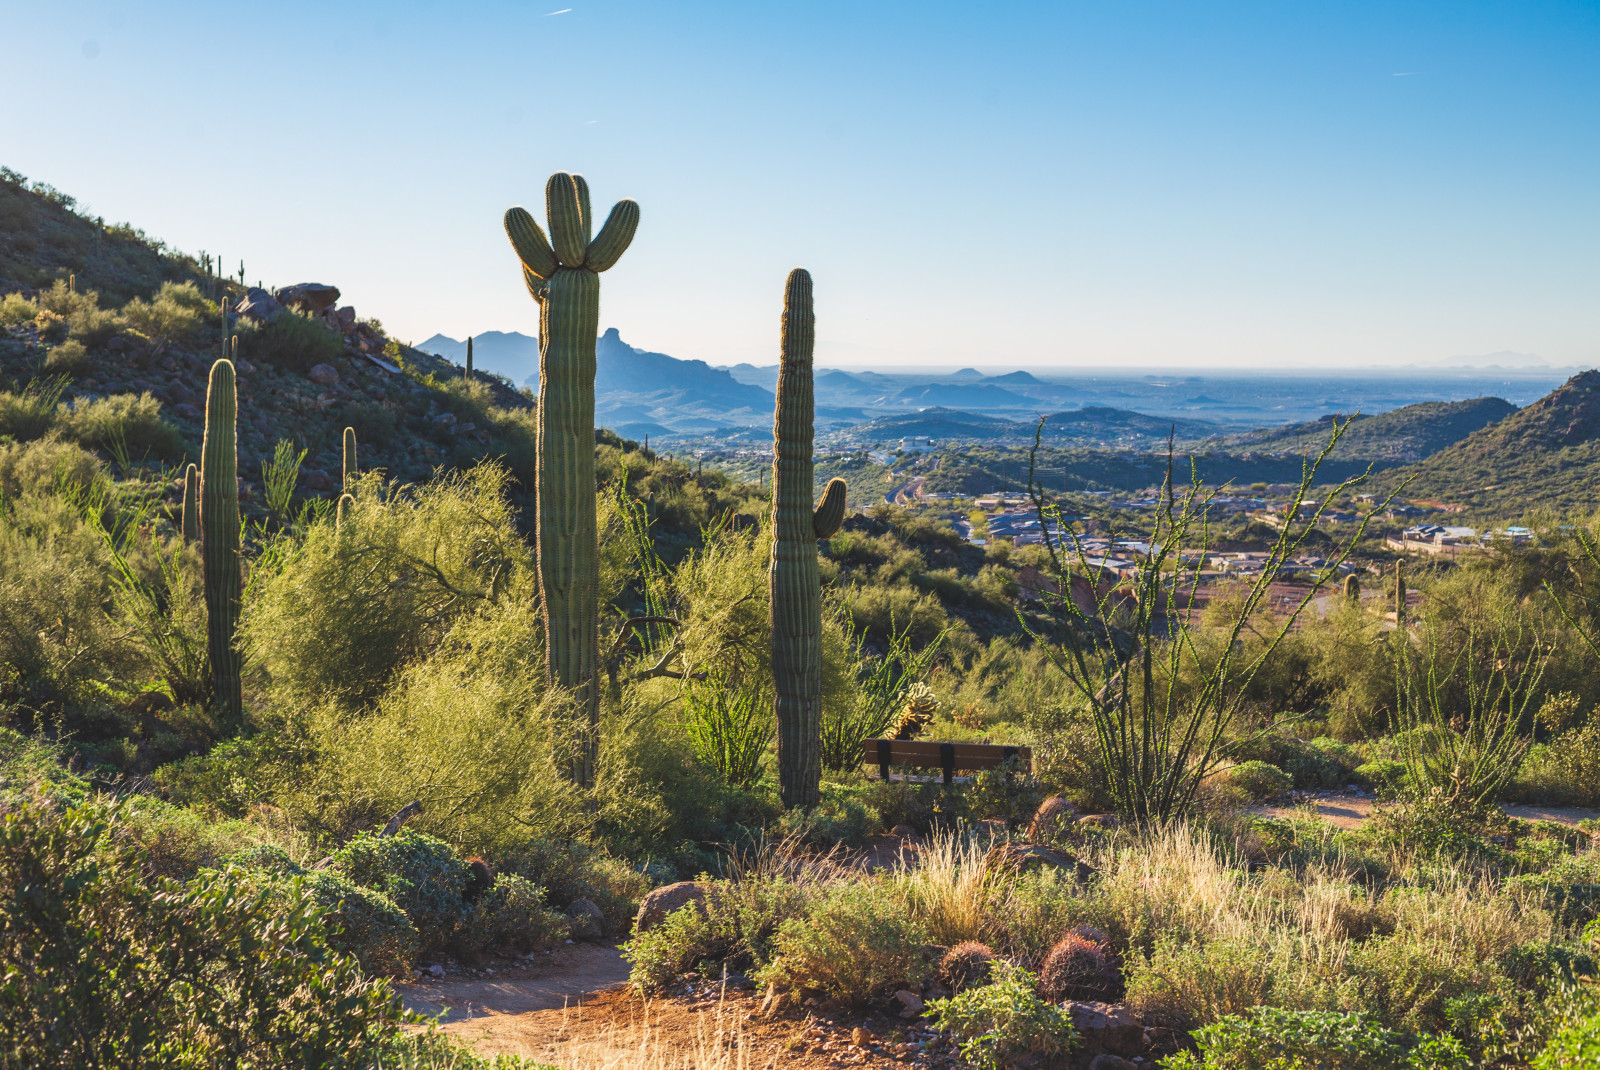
(269, 749)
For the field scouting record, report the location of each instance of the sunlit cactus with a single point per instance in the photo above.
(562, 274)
(219, 523)
(793, 578)
(350, 469)
(191, 504)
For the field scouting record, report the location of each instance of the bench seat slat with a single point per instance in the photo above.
(926, 754)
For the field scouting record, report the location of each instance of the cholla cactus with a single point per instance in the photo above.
(917, 712)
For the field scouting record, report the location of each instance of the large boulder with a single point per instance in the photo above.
(313, 297)
(258, 305)
(588, 920)
(656, 905)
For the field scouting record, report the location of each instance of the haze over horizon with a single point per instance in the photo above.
(1161, 186)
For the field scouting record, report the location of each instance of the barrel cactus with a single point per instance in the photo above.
(219, 524)
(191, 504)
(349, 457)
(793, 579)
(562, 274)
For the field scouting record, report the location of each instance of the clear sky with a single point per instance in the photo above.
(1276, 184)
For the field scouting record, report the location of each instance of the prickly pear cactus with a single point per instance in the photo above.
(349, 457)
(793, 579)
(562, 274)
(191, 504)
(219, 523)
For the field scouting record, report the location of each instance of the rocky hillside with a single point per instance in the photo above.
(1547, 454)
(1409, 433)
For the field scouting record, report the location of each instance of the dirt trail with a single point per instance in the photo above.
(1351, 811)
(562, 979)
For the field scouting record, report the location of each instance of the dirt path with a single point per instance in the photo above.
(1351, 811)
(563, 978)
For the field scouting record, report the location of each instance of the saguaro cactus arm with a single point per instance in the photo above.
(350, 469)
(191, 504)
(830, 513)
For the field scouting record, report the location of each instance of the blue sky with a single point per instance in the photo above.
(1272, 185)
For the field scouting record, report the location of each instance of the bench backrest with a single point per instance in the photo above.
(946, 756)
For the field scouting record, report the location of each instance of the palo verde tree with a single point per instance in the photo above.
(562, 273)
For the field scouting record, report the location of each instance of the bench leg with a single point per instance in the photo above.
(947, 759)
(883, 759)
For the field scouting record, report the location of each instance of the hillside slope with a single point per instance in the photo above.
(1547, 454)
(1409, 433)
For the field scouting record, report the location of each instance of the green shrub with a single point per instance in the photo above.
(854, 941)
(92, 326)
(1576, 1047)
(41, 466)
(31, 412)
(422, 874)
(997, 1023)
(683, 939)
(208, 974)
(70, 358)
(128, 424)
(576, 870)
(176, 313)
(512, 917)
(1566, 771)
(1258, 780)
(14, 308)
(292, 342)
(1269, 1038)
(1191, 984)
(30, 768)
(176, 842)
(1385, 776)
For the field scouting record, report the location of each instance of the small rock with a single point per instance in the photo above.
(243, 367)
(588, 920)
(436, 970)
(910, 1003)
(774, 1002)
(323, 375)
(258, 305)
(861, 1038)
(657, 904)
(1110, 1062)
(1106, 1027)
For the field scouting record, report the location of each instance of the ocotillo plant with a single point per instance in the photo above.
(469, 358)
(792, 579)
(349, 457)
(219, 521)
(191, 504)
(562, 274)
(1352, 589)
(1399, 594)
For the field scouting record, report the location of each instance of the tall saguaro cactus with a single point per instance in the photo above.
(793, 579)
(562, 274)
(1399, 594)
(468, 375)
(191, 504)
(219, 521)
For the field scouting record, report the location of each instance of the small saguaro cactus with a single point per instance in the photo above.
(219, 521)
(562, 275)
(793, 578)
(1399, 593)
(347, 502)
(191, 504)
(469, 358)
(1352, 589)
(349, 458)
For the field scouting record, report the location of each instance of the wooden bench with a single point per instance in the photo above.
(946, 756)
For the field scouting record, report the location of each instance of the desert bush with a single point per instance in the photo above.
(70, 358)
(32, 769)
(39, 467)
(512, 917)
(729, 726)
(176, 842)
(208, 974)
(423, 875)
(1269, 1038)
(949, 889)
(854, 942)
(30, 413)
(291, 341)
(684, 938)
(1004, 1020)
(174, 315)
(1257, 780)
(1576, 1046)
(14, 309)
(1194, 984)
(124, 424)
(1566, 771)
(576, 870)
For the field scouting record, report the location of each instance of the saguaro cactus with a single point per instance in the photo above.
(1399, 594)
(191, 504)
(349, 457)
(469, 358)
(562, 274)
(1352, 589)
(219, 521)
(793, 579)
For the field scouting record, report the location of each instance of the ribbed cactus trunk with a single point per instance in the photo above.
(191, 505)
(219, 523)
(1399, 594)
(793, 579)
(469, 357)
(1352, 589)
(562, 274)
(350, 469)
